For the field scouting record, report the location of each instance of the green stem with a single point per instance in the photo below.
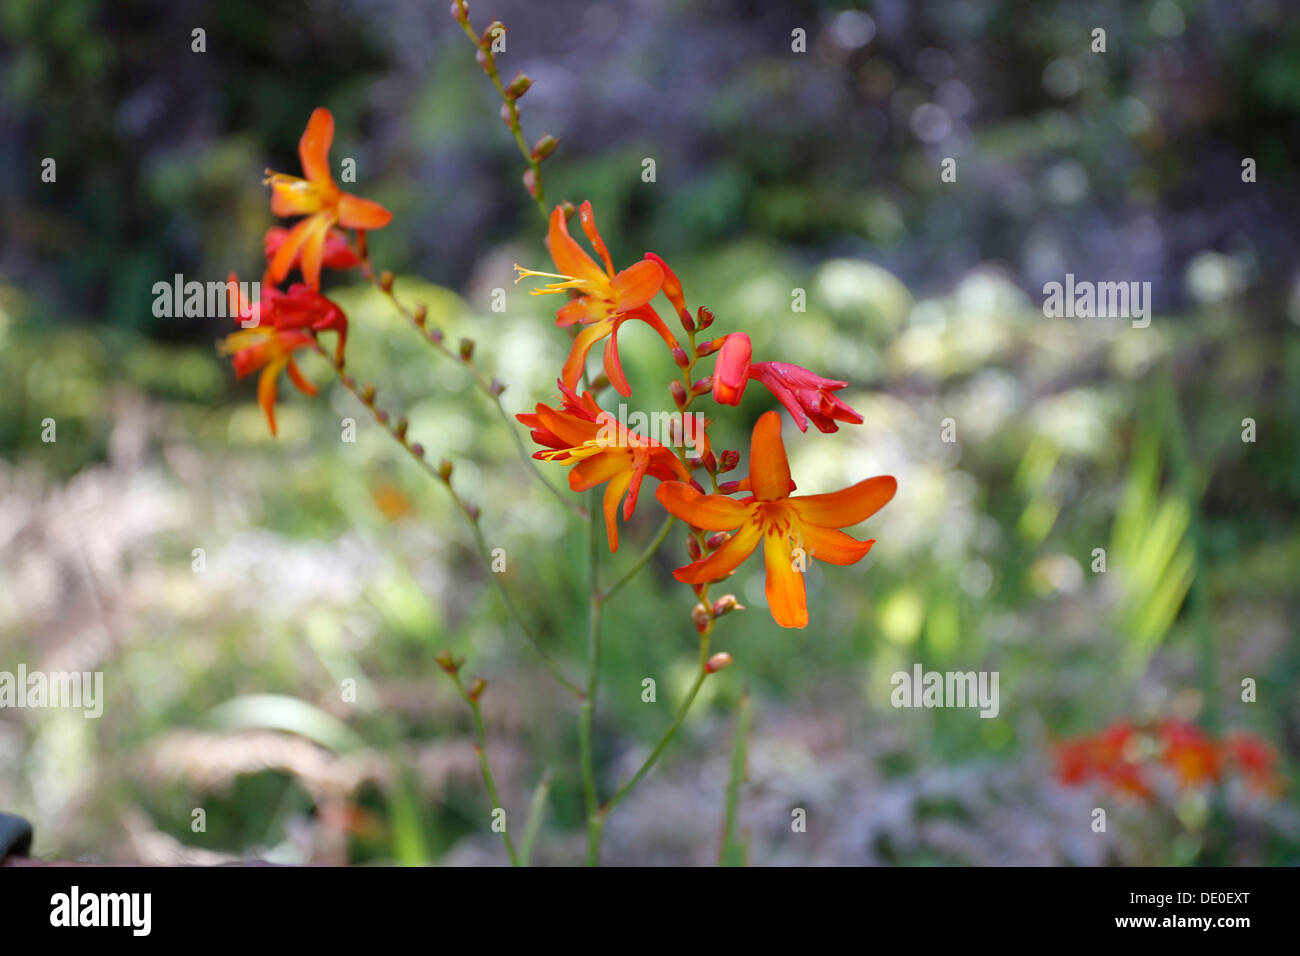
(668, 735)
(485, 553)
(641, 561)
(536, 809)
(490, 389)
(512, 107)
(587, 711)
(732, 852)
(480, 749)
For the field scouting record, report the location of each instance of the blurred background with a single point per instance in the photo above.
(325, 561)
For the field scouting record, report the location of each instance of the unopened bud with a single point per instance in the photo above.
(693, 547)
(496, 388)
(704, 317)
(368, 395)
(435, 335)
(701, 617)
(568, 208)
(730, 459)
(400, 430)
(680, 357)
(349, 382)
(466, 349)
(448, 663)
(507, 114)
(459, 10)
(544, 147)
(518, 86)
(717, 662)
(710, 461)
(678, 393)
(484, 59)
(709, 347)
(472, 512)
(530, 182)
(417, 450)
(726, 604)
(420, 316)
(444, 470)
(491, 32)
(381, 416)
(716, 540)
(386, 281)
(476, 688)
(728, 487)
(703, 385)
(687, 322)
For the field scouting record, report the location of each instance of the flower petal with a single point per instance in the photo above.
(298, 379)
(840, 509)
(769, 469)
(314, 146)
(588, 220)
(833, 547)
(710, 512)
(358, 213)
(576, 363)
(786, 597)
(569, 258)
(613, 492)
(726, 559)
(637, 284)
(266, 390)
(597, 470)
(614, 365)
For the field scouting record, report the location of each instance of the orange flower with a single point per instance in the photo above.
(337, 254)
(320, 200)
(601, 450)
(607, 299)
(781, 522)
(271, 350)
(1193, 757)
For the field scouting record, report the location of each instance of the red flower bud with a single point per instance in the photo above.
(448, 663)
(702, 386)
(678, 393)
(701, 617)
(679, 356)
(530, 182)
(693, 547)
(731, 372)
(386, 281)
(444, 470)
(476, 688)
(716, 540)
(417, 450)
(466, 349)
(728, 487)
(730, 459)
(704, 317)
(420, 315)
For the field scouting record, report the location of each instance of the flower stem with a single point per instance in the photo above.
(490, 388)
(480, 749)
(595, 820)
(640, 563)
(667, 737)
(511, 115)
(396, 432)
(536, 808)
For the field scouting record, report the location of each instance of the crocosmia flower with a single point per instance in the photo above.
(606, 299)
(601, 450)
(1255, 760)
(804, 394)
(337, 254)
(270, 350)
(808, 523)
(319, 199)
(301, 307)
